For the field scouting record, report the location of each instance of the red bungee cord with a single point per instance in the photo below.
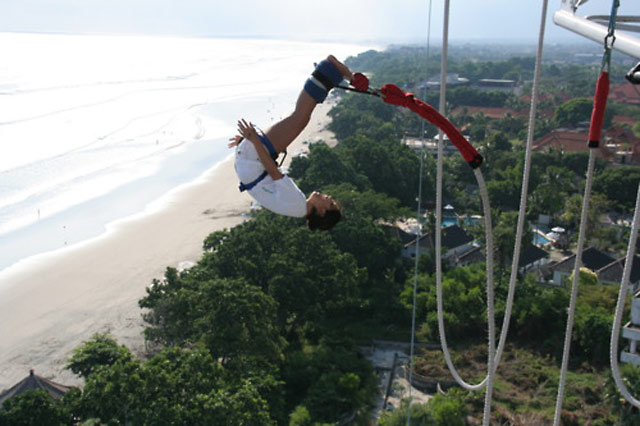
(393, 95)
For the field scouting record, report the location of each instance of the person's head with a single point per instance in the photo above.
(323, 212)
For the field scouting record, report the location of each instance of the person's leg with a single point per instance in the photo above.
(285, 131)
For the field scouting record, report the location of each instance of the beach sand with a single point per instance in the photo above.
(53, 302)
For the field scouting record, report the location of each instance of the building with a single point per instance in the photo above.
(624, 94)
(455, 242)
(569, 141)
(623, 144)
(453, 80)
(612, 273)
(618, 145)
(631, 331)
(33, 381)
(430, 146)
(490, 84)
(592, 258)
(532, 258)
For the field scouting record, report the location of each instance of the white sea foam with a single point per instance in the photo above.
(82, 116)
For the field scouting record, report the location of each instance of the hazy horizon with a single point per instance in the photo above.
(355, 21)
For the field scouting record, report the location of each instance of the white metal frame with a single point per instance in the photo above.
(593, 29)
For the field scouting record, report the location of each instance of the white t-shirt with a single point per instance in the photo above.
(281, 196)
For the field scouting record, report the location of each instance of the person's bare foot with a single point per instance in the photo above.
(344, 70)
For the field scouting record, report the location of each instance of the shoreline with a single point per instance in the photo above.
(52, 302)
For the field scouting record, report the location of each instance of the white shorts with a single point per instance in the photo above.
(281, 196)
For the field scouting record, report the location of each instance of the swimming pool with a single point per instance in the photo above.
(448, 221)
(539, 239)
(451, 220)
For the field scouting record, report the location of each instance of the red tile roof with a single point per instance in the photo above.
(568, 141)
(625, 93)
(624, 119)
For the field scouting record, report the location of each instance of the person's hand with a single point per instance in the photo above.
(248, 131)
(235, 141)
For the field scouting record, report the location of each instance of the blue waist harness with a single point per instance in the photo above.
(274, 155)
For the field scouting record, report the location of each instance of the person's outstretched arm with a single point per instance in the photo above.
(249, 133)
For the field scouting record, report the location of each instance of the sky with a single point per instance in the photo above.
(382, 21)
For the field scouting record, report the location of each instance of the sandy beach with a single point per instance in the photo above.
(51, 303)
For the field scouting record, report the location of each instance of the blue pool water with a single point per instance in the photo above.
(451, 220)
(448, 221)
(539, 239)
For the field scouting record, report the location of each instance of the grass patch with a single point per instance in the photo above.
(526, 386)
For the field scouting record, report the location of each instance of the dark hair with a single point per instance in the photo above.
(324, 223)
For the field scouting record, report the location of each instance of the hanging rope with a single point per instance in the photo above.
(393, 95)
(417, 253)
(597, 115)
(415, 288)
(624, 290)
(525, 187)
(521, 220)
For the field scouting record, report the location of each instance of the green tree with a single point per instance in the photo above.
(232, 318)
(100, 350)
(303, 271)
(498, 142)
(540, 315)
(300, 417)
(504, 194)
(324, 167)
(448, 409)
(628, 415)
(620, 185)
(463, 291)
(236, 320)
(176, 386)
(35, 407)
(330, 380)
(573, 212)
(441, 410)
(504, 234)
(420, 416)
(578, 110)
(592, 332)
(553, 187)
(391, 168)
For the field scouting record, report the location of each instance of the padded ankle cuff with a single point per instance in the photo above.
(330, 71)
(324, 78)
(315, 91)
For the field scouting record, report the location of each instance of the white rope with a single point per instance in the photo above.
(491, 367)
(494, 357)
(417, 252)
(574, 287)
(415, 289)
(489, 244)
(624, 286)
(525, 188)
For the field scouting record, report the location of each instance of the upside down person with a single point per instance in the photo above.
(256, 153)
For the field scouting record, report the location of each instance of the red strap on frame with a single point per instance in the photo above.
(599, 106)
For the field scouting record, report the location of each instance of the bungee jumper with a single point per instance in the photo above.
(257, 151)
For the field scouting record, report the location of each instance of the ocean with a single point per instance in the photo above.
(93, 129)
